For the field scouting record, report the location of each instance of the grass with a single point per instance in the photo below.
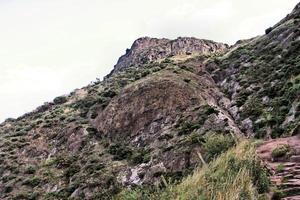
(236, 174)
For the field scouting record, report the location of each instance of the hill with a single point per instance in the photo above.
(167, 108)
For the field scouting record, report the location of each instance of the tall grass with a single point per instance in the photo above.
(234, 175)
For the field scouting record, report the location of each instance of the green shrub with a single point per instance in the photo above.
(30, 169)
(145, 73)
(280, 151)
(60, 100)
(140, 156)
(109, 93)
(280, 168)
(34, 181)
(216, 144)
(71, 171)
(187, 128)
(242, 98)
(120, 151)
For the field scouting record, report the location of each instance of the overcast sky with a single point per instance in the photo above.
(50, 47)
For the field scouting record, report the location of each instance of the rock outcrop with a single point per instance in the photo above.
(145, 50)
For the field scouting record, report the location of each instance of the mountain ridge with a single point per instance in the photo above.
(150, 119)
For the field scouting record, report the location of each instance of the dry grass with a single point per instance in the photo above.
(229, 177)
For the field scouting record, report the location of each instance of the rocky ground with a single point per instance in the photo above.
(282, 159)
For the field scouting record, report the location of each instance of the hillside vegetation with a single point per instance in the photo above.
(175, 119)
(236, 174)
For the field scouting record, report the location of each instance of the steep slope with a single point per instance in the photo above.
(129, 129)
(151, 118)
(261, 78)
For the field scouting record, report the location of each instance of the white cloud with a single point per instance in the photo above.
(49, 47)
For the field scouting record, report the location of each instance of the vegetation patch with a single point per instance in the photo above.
(215, 144)
(235, 174)
(280, 151)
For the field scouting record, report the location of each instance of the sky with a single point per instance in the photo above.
(51, 47)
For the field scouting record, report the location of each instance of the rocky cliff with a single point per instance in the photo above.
(145, 50)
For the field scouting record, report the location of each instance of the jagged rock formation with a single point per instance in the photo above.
(151, 115)
(145, 50)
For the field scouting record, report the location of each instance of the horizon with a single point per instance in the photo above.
(46, 55)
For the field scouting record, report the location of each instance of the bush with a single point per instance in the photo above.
(109, 93)
(280, 151)
(280, 168)
(187, 80)
(71, 171)
(187, 128)
(242, 98)
(120, 151)
(140, 156)
(60, 100)
(30, 169)
(268, 30)
(34, 181)
(216, 144)
(208, 110)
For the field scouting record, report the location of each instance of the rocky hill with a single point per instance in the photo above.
(167, 108)
(145, 50)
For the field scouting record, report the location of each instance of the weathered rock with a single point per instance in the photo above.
(145, 50)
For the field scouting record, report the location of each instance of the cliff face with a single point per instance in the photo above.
(146, 50)
(150, 117)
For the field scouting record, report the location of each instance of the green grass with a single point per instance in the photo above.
(235, 174)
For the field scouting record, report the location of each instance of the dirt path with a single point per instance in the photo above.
(284, 166)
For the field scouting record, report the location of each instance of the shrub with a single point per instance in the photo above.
(280, 151)
(268, 30)
(145, 73)
(187, 80)
(60, 100)
(34, 181)
(242, 98)
(187, 128)
(167, 60)
(71, 171)
(280, 167)
(30, 169)
(109, 93)
(140, 156)
(120, 151)
(208, 110)
(184, 67)
(216, 144)
(92, 131)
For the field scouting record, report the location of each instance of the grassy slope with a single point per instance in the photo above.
(261, 77)
(235, 174)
